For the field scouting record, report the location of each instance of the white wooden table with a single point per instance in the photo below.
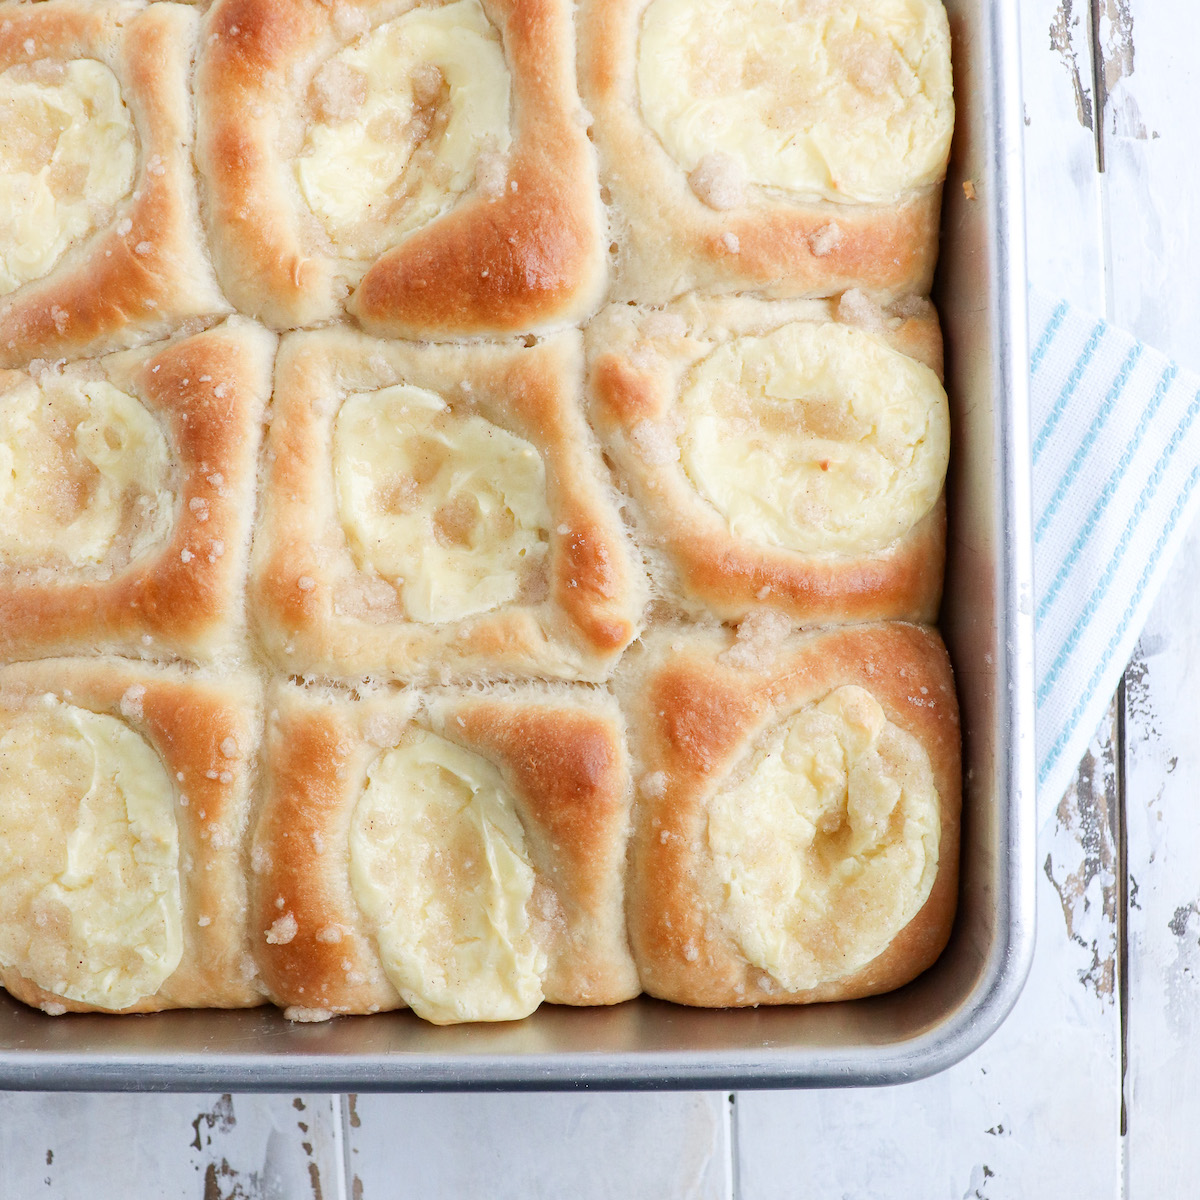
(1090, 1089)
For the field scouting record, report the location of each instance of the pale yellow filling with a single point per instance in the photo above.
(403, 119)
(447, 506)
(825, 99)
(90, 903)
(827, 846)
(84, 472)
(816, 438)
(67, 156)
(438, 863)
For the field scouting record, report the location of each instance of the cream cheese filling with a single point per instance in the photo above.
(447, 506)
(84, 474)
(405, 119)
(438, 864)
(816, 438)
(90, 905)
(824, 99)
(826, 846)
(67, 157)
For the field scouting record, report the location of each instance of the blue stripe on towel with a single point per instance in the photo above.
(1089, 440)
(1068, 388)
(1114, 481)
(1055, 751)
(1052, 327)
(1101, 588)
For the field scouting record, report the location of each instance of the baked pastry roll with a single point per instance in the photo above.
(124, 799)
(439, 511)
(431, 159)
(100, 240)
(788, 147)
(780, 454)
(127, 496)
(459, 852)
(797, 812)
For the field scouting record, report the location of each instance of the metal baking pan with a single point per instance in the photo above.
(924, 1027)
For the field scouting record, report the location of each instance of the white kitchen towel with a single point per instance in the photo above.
(1116, 464)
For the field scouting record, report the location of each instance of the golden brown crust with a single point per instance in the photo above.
(568, 769)
(147, 272)
(636, 361)
(692, 717)
(302, 567)
(315, 759)
(206, 732)
(526, 261)
(183, 597)
(561, 753)
(669, 242)
(531, 260)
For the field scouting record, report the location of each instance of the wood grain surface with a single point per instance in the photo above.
(1089, 1089)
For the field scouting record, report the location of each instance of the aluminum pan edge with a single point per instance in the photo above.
(924, 1028)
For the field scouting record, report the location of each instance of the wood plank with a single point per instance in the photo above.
(1065, 217)
(219, 1147)
(588, 1146)
(1151, 182)
(1152, 173)
(1162, 1087)
(1034, 1112)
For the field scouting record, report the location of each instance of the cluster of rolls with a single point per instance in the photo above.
(471, 503)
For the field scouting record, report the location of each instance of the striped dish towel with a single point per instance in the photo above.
(1116, 462)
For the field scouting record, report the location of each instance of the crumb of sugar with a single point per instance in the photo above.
(759, 636)
(857, 308)
(427, 83)
(718, 181)
(491, 174)
(339, 90)
(382, 729)
(654, 784)
(349, 20)
(730, 242)
(229, 747)
(329, 934)
(307, 1016)
(282, 931)
(825, 240)
(52, 1008)
(43, 370)
(131, 702)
